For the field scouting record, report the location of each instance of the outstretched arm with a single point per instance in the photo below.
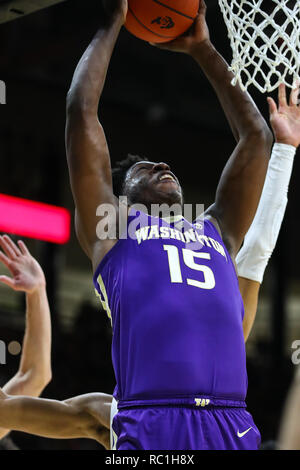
(34, 372)
(85, 416)
(262, 236)
(87, 150)
(242, 180)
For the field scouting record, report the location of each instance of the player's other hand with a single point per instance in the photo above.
(196, 35)
(27, 275)
(116, 8)
(285, 117)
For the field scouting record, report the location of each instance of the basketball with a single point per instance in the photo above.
(160, 20)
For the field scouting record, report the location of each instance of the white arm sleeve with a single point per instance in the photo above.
(261, 237)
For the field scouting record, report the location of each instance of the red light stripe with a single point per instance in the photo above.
(34, 219)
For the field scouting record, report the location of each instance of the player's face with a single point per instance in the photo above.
(152, 183)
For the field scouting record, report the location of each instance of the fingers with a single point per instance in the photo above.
(23, 248)
(12, 245)
(8, 281)
(282, 95)
(5, 260)
(282, 99)
(170, 46)
(156, 44)
(294, 95)
(7, 249)
(272, 106)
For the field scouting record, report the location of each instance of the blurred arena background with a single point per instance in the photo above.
(156, 104)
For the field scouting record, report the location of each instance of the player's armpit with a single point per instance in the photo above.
(249, 291)
(213, 221)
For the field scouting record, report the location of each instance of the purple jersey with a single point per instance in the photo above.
(176, 312)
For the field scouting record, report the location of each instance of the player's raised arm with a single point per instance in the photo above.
(87, 150)
(86, 416)
(242, 180)
(34, 372)
(262, 236)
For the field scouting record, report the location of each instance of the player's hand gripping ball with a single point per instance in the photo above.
(160, 20)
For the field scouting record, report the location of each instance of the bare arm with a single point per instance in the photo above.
(35, 365)
(87, 151)
(99, 407)
(75, 418)
(242, 180)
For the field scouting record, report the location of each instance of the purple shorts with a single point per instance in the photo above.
(206, 425)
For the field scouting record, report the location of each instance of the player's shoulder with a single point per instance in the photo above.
(210, 221)
(213, 221)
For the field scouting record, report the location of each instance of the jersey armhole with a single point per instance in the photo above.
(215, 223)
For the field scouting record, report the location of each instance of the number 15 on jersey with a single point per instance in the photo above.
(189, 257)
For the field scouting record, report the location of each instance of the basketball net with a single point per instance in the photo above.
(265, 41)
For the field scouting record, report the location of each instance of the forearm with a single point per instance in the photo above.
(47, 418)
(35, 364)
(239, 108)
(90, 74)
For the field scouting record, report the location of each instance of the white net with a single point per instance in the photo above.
(265, 41)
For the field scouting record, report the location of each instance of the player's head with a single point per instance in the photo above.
(145, 182)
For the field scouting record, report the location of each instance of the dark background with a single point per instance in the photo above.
(156, 104)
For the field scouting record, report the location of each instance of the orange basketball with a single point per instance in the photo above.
(160, 20)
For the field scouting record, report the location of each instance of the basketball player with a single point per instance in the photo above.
(34, 372)
(178, 347)
(89, 415)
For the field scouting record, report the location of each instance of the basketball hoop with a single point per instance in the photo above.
(265, 41)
